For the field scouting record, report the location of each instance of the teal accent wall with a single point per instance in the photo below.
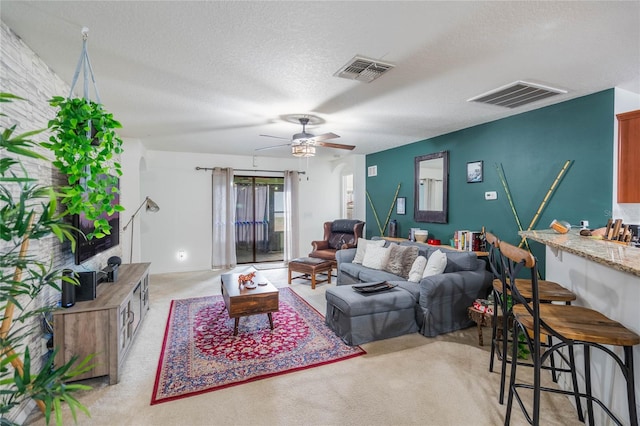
(532, 148)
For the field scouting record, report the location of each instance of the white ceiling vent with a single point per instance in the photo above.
(517, 94)
(363, 69)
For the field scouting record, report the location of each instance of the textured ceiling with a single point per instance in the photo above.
(212, 76)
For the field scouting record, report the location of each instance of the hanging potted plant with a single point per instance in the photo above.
(84, 144)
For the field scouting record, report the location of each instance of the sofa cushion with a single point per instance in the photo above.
(352, 269)
(376, 257)
(417, 269)
(461, 261)
(368, 275)
(362, 248)
(401, 260)
(436, 264)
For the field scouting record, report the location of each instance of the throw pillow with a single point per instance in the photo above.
(401, 259)
(417, 269)
(361, 249)
(436, 264)
(375, 257)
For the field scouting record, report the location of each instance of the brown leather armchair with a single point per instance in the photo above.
(339, 234)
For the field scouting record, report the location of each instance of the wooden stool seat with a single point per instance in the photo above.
(579, 323)
(549, 291)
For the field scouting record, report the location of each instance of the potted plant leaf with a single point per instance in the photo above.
(28, 212)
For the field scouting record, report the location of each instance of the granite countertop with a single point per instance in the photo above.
(609, 253)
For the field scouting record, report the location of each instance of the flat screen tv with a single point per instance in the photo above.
(86, 249)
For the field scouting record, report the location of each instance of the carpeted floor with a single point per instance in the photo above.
(408, 380)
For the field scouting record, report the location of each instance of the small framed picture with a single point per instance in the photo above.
(401, 205)
(474, 171)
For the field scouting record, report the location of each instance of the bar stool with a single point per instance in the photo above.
(571, 325)
(549, 291)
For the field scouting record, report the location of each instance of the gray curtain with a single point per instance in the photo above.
(245, 220)
(291, 223)
(223, 254)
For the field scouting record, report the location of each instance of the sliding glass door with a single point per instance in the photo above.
(259, 219)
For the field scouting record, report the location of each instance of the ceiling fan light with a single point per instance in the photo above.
(303, 150)
(302, 137)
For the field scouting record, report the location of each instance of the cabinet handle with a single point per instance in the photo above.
(131, 317)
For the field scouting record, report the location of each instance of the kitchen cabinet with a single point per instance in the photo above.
(629, 157)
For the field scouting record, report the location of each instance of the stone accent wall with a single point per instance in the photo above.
(24, 74)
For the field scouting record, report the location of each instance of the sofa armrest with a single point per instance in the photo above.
(345, 256)
(444, 299)
(320, 245)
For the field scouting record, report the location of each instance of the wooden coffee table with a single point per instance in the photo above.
(309, 267)
(241, 302)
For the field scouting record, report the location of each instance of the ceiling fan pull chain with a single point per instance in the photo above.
(84, 63)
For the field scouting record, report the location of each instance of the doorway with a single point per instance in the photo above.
(259, 219)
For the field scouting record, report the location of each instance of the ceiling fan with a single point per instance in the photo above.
(304, 144)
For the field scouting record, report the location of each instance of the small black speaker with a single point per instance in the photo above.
(112, 273)
(114, 260)
(87, 288)
(68, 298)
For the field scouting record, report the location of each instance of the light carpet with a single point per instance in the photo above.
(200, 353)
(407, 380)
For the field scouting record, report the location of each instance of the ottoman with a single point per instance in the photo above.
(309, 267)
(360, 318)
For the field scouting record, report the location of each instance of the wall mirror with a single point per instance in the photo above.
(431, 187)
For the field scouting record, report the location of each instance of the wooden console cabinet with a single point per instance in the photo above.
(105, 326)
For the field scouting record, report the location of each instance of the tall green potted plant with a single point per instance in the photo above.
(28, 212)
(85, 144)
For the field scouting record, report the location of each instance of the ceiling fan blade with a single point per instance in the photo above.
(271, 147)
(276, 137)
(325, 136)
(335, 145)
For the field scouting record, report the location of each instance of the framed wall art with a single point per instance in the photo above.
(474, 171)
(401, 205)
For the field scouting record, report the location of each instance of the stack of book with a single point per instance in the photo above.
(468, 240)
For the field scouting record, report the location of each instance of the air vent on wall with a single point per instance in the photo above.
(517, 94)
(363, 69)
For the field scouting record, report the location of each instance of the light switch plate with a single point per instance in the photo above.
(491, 195)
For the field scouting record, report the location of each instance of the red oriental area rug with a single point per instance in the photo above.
(200, 354)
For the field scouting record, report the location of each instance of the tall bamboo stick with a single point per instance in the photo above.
(375, 214)
(551, 190)
(10, 308)
(393, 202)
(503, 180)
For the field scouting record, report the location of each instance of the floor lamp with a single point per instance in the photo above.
(151, 207)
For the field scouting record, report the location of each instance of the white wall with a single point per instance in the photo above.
(130, 197)
(184, 196)
(629, 212)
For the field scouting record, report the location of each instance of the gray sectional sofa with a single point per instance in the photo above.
(440, 301)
